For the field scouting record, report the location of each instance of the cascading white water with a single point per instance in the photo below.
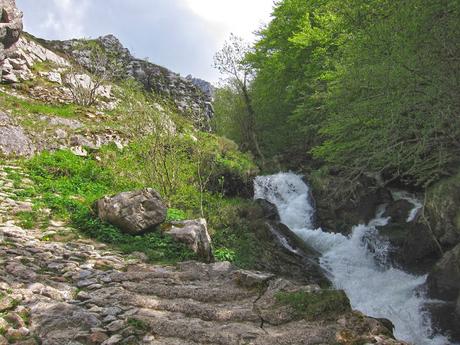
(382, 292)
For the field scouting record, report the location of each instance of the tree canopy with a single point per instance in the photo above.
(364, 86)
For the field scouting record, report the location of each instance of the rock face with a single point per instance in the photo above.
(134, 212)
(279, 252)
(444, 280)
(188, 98)
(13, 140)
(19, 61)
(205, 86)
(10, 26)
(194, 233)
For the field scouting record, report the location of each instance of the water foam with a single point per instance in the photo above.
(374, 289)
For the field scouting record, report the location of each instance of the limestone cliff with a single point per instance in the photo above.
(189, 98)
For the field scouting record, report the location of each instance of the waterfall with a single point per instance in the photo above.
(377, 290)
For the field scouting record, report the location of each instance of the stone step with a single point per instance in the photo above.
(199, 331)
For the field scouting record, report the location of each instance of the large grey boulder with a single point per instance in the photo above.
(133, 212)
(10, 26)
(194, 233)
(13, 140)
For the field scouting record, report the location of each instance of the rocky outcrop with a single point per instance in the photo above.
(13, 140)
(134, 212)
(205, 86)
(10, 26)
(278, 251)
(194, 233)
(188, 98)
(19, 62)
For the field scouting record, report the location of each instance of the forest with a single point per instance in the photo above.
(361, 87)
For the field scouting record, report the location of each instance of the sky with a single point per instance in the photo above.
(182, 35)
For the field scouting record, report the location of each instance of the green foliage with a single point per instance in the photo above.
(69, 185)
(225, 254)
(230, 114)
(367, 87)
(157, 246)
(313, 305)
(175, 215)
(233, 232)
(27, 220)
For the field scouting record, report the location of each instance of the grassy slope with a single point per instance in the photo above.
(197, 164)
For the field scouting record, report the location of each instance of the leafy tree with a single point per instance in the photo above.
(230, 61)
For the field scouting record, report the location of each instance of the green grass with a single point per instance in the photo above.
(27, 220)
(20, 106)
(69, 185)
(313, 305)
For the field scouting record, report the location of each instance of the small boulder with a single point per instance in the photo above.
(133, 212)
(194, 233)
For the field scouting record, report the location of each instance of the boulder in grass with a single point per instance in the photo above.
(194, 233)
(135, 212)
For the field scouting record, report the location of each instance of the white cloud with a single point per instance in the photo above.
(65, 19)
(241, 17)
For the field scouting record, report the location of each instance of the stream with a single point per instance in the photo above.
(373, 286)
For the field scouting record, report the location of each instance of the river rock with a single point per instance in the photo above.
(398, 211)
(194, 233)
(444, 279)
(411, 246)
(133, 212)
(270, 211)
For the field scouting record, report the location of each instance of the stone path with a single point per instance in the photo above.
(82, 292)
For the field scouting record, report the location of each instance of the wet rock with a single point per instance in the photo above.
(133, 212)
(269, 210)
(339, 212)
(444, 280)
(398, 211)
(194, 233)
(411, 246)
